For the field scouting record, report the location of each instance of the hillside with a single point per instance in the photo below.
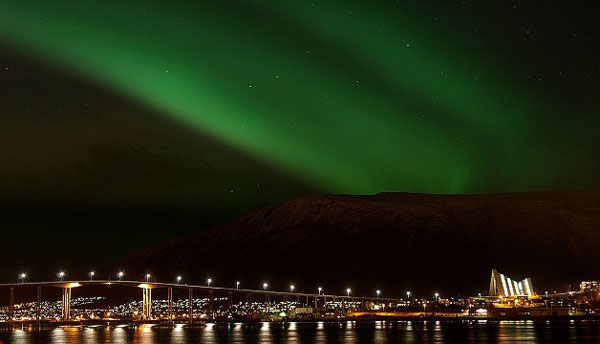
(395, 242)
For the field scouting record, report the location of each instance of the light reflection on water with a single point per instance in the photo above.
(526, 331)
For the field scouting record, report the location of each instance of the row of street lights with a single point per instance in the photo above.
(121, 274)
(61, 275)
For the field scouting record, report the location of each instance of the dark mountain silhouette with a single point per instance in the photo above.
(394, 242)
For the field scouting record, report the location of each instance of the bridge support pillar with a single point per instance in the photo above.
(268, 302)
(249, 298)
(230, 298)
(170, 298)
(316, 301)
(11, 304)
(66, 304)
(146, 303)
(306, 304)
(211, 300)
(39, 304)
(190, 305)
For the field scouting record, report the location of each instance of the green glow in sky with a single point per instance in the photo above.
(352, 98)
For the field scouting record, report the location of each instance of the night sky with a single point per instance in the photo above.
(120, 118)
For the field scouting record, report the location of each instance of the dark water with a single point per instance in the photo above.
(481, 331)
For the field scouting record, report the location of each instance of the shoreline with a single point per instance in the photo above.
(10, 326)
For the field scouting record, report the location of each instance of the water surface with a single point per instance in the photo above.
(480, 331)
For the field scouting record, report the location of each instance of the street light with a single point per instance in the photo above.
(22, 277)
(61, 275)
(292, 288)
(320, 290)
(92, 275)
(147, 277)
(265, 286)
(348, 291)
(378, 292)
(120, 275)
(237, 285)
(179, 278)
(436, 296)
(408, 294)
(208, 281)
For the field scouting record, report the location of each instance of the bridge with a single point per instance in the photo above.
(310, 299)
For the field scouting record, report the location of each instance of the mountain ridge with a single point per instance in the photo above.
(396, 241)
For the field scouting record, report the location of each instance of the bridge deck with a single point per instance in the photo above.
(158, 285)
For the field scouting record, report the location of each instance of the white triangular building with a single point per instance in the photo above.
(501, 285)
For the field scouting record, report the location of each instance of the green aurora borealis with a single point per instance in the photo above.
(351, 98)
(126, 123)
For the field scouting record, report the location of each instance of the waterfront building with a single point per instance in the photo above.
(504, 286)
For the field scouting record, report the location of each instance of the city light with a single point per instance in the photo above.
(120, 275)
(286, 307)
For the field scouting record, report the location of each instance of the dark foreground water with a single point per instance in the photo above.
(480, 331)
